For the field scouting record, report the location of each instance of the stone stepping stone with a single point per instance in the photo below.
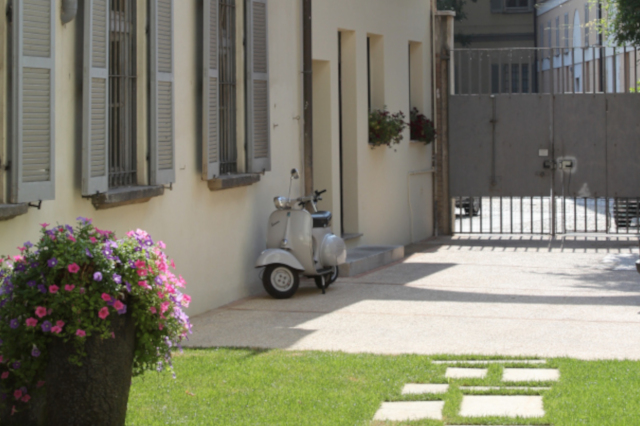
(466, 373)
(409, 410)
(530, 374)
(490, 388)
(501, 405)
(417, 388)
(493, 361)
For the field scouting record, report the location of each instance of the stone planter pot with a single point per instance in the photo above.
(94, 394)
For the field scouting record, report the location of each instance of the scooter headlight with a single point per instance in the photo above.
(282, 203)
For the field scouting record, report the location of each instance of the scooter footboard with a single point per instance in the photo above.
(279, 256)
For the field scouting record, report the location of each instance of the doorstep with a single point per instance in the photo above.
(366, 258)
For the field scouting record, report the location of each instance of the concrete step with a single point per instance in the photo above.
(366, 258)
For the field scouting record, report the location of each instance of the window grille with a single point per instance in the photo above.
(517, 4)
(227, 61)
(122, 94)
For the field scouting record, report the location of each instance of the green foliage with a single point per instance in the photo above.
(422, 128)
(455, 5)
(620, 20)
(385, 128)
(68, 284)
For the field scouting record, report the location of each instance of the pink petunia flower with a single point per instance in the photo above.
(186, 299)
(93, 240)
(142, 272)
(32, 322)
(25, 398)
(56, 329)
(118, 305)
(53, 289)
(18, 258)
(72, 238)
(73, 268)
(113, 335)
(153, 309)
(106, 297)
(44, 225)
(82, 290)
(164, 306)
(162, 245)
(103, 313)
(140, 264)
(80, 333)
(41, 311)
(144, 285)
(160, 326)
(60, 323)
(4, 375)
(173, 265)
(17, 394)
(69, 287)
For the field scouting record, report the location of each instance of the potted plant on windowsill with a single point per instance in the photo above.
(385, 128)
(422, 129)
(81, 312)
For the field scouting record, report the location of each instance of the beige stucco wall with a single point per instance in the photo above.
(387, 203)
(215, 237)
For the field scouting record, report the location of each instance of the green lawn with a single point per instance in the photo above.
(253, 387)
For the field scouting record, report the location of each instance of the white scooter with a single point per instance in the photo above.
(299, 242)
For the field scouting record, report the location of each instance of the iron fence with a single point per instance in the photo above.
(593, 69)
(539, 215)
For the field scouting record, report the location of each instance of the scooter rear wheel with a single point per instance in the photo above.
(280, 281)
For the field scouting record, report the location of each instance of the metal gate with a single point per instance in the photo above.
(545, 140)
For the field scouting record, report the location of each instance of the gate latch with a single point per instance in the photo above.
(565, 164)
(549, 164)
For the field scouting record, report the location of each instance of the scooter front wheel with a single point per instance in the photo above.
(280, 281)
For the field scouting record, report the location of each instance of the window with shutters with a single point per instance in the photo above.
(122, 94)
(517, 5)
(227, 86)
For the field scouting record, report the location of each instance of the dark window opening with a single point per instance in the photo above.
(227, 82)
(122, 94)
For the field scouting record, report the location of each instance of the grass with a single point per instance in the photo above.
(255, 387)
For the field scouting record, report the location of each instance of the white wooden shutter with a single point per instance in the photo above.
(95, 98)
(162, 94)
(497, 6)
(210, 99)
(258, 123)
(33, 101)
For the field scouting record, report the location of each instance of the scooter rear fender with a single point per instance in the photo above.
(272, 256)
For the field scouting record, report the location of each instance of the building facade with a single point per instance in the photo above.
(184, 118)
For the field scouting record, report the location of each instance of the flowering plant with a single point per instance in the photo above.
(68, 285)
(422, 128)
(385, 128)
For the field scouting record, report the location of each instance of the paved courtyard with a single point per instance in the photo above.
(509, 295)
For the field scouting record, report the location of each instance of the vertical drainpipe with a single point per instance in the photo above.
(307, 65)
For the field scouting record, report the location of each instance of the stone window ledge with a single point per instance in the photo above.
(126, 196)
(233, 181)
(9, 211)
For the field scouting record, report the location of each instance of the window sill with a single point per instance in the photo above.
(412, 142)
(9, 211)
(126, 196)
(233, 181)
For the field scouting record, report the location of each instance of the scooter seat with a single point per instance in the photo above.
(321, 219)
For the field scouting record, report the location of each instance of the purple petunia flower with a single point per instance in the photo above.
(31, 283)
(123, 310)
(52, 262)
(117, 278)
(16, 365)
(69, 228)
(35, 352)
(1, 342)
(88, 253)
(42, 289)
(14, 323)
(46, 326)
(83, 220)
(128, 285)
(28, 244)
(97, 276)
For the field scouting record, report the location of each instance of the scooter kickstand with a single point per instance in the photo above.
(324, 284)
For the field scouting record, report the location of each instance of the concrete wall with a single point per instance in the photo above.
(495, 30)
(382, 198)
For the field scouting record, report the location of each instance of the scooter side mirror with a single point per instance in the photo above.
(295, 174)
